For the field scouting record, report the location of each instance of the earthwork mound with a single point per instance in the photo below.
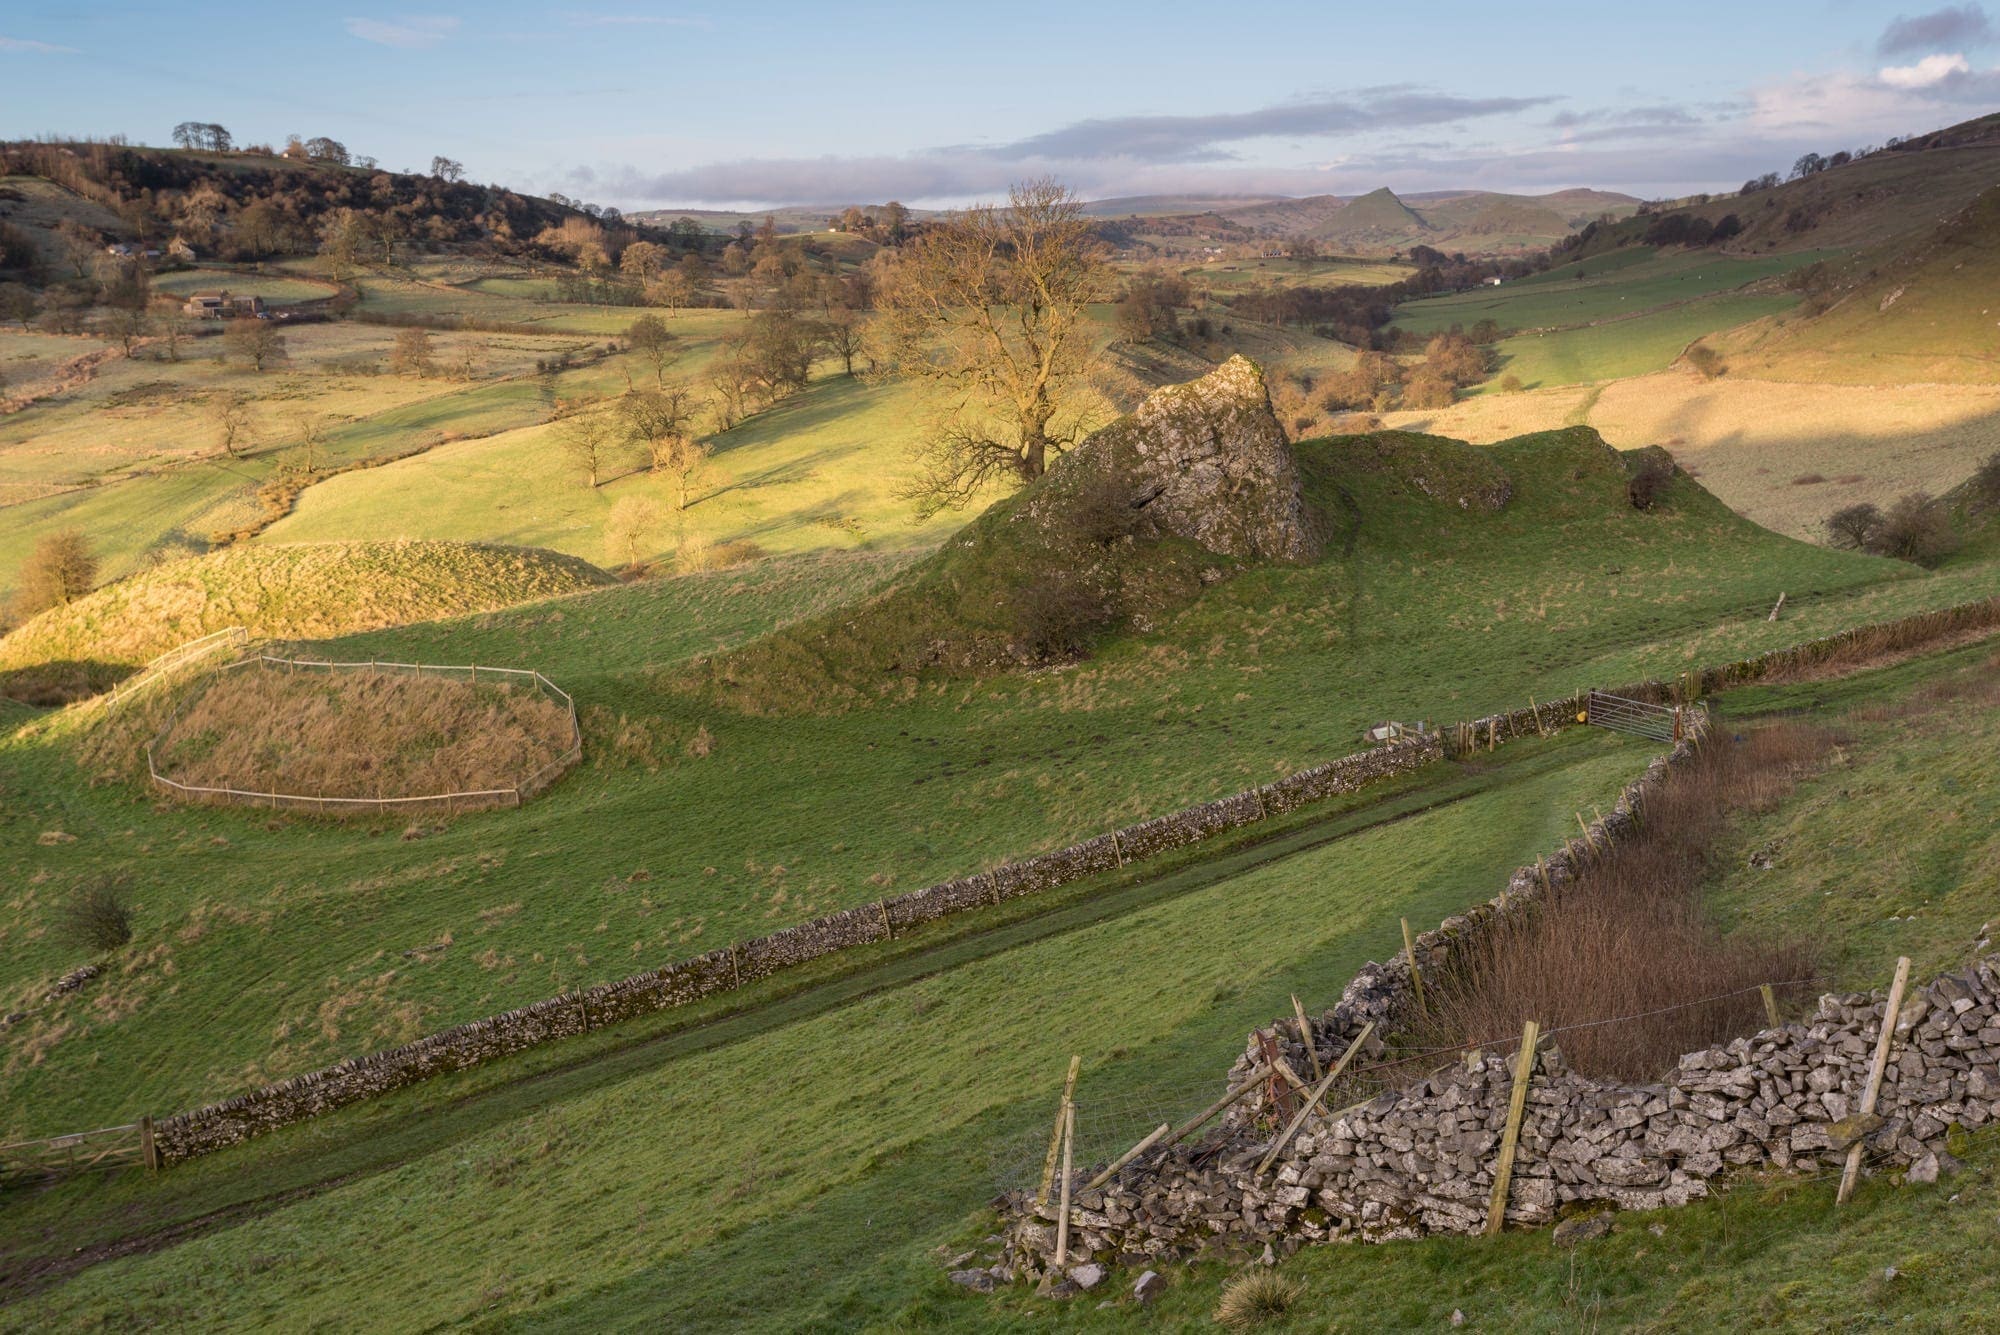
(365, 738)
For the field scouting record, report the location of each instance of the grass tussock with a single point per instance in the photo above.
(361, 734)
(1632, 934)
(1254, 1299)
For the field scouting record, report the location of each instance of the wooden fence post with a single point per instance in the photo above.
(1062, 1210)
(1125, 1158)
(1055, 1141)
(1510, 1139)
(149, 1150)
(1876, 1070)
(1770, 1006)
(1536, 711)
(1306, 1035)
(1416, 974)
(888, 929)
(1312, 1100)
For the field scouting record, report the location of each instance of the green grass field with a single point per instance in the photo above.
(1612, 287)
(1622, 348)
(271, 946)
(636, 1188)
(1226, 277)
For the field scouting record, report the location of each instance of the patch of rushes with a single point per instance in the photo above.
(267, 728)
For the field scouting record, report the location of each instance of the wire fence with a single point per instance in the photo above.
(454, 802)
(1111, 1121)
(176, 659)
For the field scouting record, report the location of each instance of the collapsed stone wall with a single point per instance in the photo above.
(1421, 1160)
(1373, 993)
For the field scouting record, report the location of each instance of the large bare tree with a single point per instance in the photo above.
(989, 306)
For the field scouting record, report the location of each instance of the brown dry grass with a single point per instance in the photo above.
(1631, 935)
(358, 733)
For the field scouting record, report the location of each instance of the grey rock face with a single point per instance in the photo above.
(1209, 462)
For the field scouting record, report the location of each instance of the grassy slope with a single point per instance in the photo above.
(297, 592)
(657, 1201)
(649, 853)
(661, 1200)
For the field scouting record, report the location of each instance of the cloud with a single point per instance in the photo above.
(1952, 26)
(1200, 138)
(411, 32)
(28, 46)
(1927, 72)
(1606, 126)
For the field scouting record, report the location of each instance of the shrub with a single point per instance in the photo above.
(1056, 616)
(1915, 529)
(1706, 361)
(1428, 389)
(1251, 1300)
(1650, 481)
(1853, 526)
(1103, 511)
(1808, 479)
(1510, 383)
(96, 917)
(60, 570)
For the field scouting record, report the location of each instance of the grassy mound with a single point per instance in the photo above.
(293, 592)
(361, 734)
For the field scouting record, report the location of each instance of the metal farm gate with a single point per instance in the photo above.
(1661, 723)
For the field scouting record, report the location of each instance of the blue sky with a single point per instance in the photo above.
(748, 103)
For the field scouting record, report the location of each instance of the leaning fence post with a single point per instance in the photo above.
(1306, 1035)
(888, 929)
(1510, 1139)
(1852, 1172)
(1416, 974)
(1770, 1006)
(1055, 1141)
(1062, 1211)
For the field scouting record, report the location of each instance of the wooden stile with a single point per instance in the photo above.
(1876, 1070)
(1510, 1139)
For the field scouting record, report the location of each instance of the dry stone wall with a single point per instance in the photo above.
(1420, 1160)
(1377, 989)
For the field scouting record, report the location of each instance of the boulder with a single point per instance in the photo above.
(1207, 461)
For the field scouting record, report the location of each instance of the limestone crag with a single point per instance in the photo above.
(1207, 461)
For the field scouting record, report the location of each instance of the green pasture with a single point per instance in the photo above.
(693, 822)
(1233, 276)
(1625, 283)
(1618, 348)
(271, 286)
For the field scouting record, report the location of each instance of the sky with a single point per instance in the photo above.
(747, 104)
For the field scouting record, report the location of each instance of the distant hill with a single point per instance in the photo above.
(1472, 220)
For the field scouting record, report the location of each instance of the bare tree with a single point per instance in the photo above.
(445, 169)
(255, 341)
(652, 340)
(587, 436)
(312, 429)
(631, 519)
(60, 570)
(413, 354)
(988, 306)
(662, 421)
(229, 413)
(844, 333)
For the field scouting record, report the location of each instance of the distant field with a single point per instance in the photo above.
(273, 287)
(1751, 440)
(1622, 284)
(1618, 348)
(1231, 276)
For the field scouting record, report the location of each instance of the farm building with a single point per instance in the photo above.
(220, 304)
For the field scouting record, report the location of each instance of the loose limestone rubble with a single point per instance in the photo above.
(1420, 1160)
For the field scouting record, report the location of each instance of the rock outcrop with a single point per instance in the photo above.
(1207, 461)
